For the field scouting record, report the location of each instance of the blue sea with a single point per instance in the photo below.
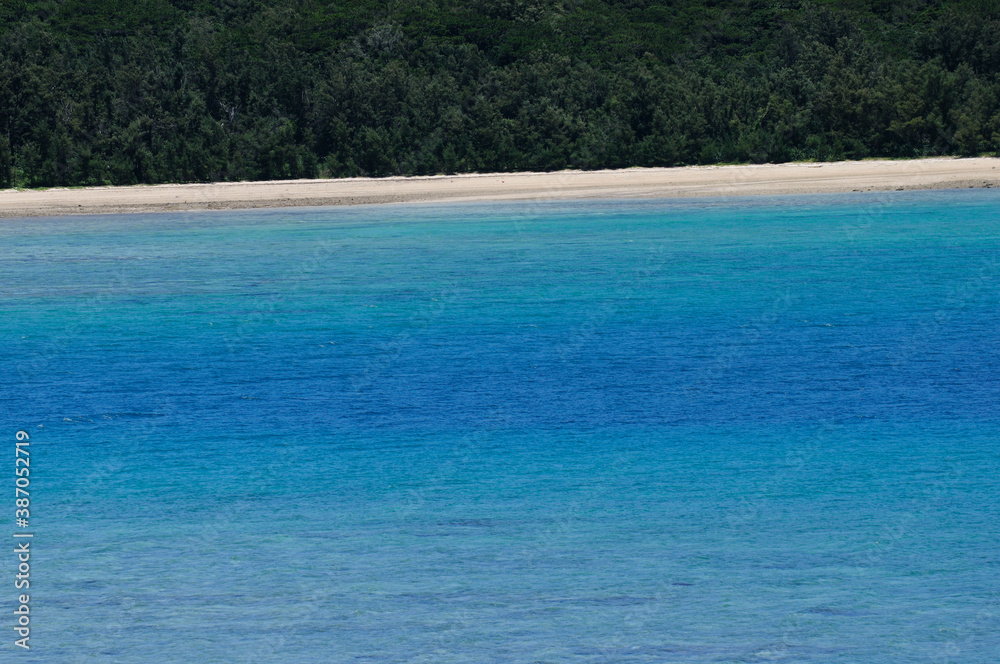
(729, 430)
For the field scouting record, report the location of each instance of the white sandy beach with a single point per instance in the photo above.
(797, 178)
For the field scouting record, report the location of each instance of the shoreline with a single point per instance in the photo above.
(678, 182)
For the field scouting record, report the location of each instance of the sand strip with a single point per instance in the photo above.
(691, 181)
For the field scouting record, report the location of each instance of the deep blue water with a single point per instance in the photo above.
(703, 431)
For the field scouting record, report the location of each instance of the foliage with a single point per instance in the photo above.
(146, 91)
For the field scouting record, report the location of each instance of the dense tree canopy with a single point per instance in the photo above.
(145, 91)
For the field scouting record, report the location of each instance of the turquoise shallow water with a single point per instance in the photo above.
(702, 431)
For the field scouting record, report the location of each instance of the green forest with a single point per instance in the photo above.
(99, 92)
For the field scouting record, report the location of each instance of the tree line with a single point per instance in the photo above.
(112, 92)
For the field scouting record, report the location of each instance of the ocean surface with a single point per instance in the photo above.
(731, 430)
